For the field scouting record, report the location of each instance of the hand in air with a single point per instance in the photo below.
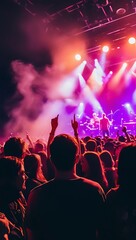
(54, 122)
(27, 136)
(74, 124)
(124, 129)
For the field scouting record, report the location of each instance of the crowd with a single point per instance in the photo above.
(68, 187)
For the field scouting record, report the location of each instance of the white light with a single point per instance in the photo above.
(78, 57)
(132, 40)
(105, 49)
(124, 65)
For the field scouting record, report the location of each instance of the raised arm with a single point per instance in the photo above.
(74, 125)
(54, 125)
(29, 140)
(124, 129)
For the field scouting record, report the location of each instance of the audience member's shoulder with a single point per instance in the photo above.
(93, 185)
(36, 190)
(83, 181)
(112, 193)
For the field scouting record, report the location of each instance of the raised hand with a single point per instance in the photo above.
(124, 129)
(74, 125)
(54, 123)
(27, 136)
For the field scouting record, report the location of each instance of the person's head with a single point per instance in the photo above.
(122, 138)
(33, 166)
(12, 173)
(86, 138)
(91, 145)
(91, 162)
(39, 146)
(107, 159)
(93, 169)
(109, 146)
(127, 166)
(64, 150)
(104, 115)
(14, 146)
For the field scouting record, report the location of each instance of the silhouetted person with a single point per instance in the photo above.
(104, 125)
(69, 206)
(12, 201)
(121, 201)
(109, 168)
(93, 169)
(33, 169)
(15, 146)
(91, 145)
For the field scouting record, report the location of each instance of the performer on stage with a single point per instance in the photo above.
(105, 125)
(95, 120)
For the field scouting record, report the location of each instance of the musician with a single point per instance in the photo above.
(95, 120)
(105, 125)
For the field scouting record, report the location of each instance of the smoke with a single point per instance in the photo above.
(43, 96)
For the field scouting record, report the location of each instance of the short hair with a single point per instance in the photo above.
(32, 165)
(63, 152)
(109, 146)
(107, 159)
(122, 138)
(10, 167)
(91, 145)
(14, 146)
(127, 165)
(96, 169)
(86, 138)
(39, 146)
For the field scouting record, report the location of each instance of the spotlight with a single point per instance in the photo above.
(78, 57)
(132, 40)
(124, 65)
(105, 49)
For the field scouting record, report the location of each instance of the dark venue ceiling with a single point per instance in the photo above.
(24, 22)
(95, 20)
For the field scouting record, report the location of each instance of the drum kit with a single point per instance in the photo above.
(90, 126)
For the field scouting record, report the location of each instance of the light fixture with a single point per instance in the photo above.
(132, 40)
(121, 11)
(78, 57)
(105, 48)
